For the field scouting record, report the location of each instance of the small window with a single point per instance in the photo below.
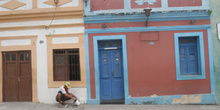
(21, 57)
(110, 44)
(27, 57)
(117, 44)
(102, 44)
(189, 56)
(66, 65)
(7, 57)
(13, 57)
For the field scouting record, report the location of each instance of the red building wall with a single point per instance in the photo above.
(182, 3)
(96, 5)
(106, 4)
(151, 68)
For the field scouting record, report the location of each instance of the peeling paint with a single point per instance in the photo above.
(187, 99)
(164, 98)
(154, 95)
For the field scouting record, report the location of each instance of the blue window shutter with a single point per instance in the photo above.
(193, 63)
(188, 56)
(183, 62)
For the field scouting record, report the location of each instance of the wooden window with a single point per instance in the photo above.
(188, 56)
(66, 65)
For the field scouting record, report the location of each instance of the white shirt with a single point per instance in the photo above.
(62, 89)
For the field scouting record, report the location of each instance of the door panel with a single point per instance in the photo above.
(17, 76)
(10, 77)
(25, 83)
(106, 87)
(11, 90)
(118, 92)
(118, 85)
(105, 76)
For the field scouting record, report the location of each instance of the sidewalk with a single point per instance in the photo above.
(39, 106)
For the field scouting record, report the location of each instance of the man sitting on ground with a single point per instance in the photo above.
(64, 95)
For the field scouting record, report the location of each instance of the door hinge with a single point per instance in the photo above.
(19, 79)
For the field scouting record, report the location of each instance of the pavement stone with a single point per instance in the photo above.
(41, 106)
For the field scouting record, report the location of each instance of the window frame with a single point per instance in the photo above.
(66, 64)
(200, 53)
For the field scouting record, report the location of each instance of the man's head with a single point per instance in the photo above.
(68, 85)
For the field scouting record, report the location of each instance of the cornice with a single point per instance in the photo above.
(41, 14)
(141, 17)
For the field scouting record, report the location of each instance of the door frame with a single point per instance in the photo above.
(31, 47)
(96, 62)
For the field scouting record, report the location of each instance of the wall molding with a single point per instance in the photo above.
(141, 17)
(41, 27)
(41, 14)
(139, 29)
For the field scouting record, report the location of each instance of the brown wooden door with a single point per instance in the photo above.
(17, 80)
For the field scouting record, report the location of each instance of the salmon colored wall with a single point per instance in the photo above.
(181, 3)
(92, 68)
(151, 68)
(106, 4)
(145, 5)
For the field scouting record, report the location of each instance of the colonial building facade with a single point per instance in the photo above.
(42, 47)
(111, 51)
(148, 52)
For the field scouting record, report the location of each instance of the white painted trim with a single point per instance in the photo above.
(218, 27)
(63, 40)
(51, 31)
(45, 22)
(15, 42)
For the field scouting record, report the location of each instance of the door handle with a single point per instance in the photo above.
(112, 73)
(19, 79)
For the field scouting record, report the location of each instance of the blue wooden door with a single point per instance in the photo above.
(111, 74)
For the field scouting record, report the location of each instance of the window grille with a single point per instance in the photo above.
(66, 65)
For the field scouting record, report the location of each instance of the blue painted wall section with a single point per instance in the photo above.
(211, 63)
(167, 100)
